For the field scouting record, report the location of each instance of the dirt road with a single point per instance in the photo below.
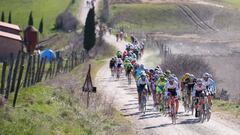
(124, 98)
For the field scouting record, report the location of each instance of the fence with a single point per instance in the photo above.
(28, 69)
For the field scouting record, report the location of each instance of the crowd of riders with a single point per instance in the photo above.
(164, 86)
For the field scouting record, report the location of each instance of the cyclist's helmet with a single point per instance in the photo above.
(187, 74)
(162, 77)
(168, 72)
(171, 78)
(206, 75)
(143, 75)
(151, 70)
(199, 81)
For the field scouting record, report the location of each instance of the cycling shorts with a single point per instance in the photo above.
(199, 94)
(119, 65)
(189, 88)
(172, 92)
(140, 88)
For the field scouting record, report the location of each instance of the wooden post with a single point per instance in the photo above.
(9, 76)
(30, 72)
(49, 71)
(38, 68)
(58, 67)
(33, 70)
(18, 85)
(15, 71)
(53, 69)
(3, 77)
(43, 69)
(27, 72)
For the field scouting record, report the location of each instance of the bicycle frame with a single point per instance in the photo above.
(173, 108)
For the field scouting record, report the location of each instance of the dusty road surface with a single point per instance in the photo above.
(124, 98)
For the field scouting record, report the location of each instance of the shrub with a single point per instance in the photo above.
(66, 22)
(181, 64)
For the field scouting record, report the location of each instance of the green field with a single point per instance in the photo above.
(148, 18)
(235, 3)
(48, 9)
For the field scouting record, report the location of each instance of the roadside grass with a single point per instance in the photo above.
(42, 110)
(227, 107)
(48, 9)
(148, 18)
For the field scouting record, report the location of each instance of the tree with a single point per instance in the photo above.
(30, 19)
(10, 17)
(89, 31)
(2, 17)
(40, 28)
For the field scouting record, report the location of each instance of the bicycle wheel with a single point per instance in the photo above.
(192, 105)
(143, 104)
(173, 113)
(208, 112)
(129, 79)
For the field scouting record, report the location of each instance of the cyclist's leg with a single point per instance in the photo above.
(139, 94)
(210, 100)
(177, 106)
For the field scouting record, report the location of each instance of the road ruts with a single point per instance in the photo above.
(194, 17)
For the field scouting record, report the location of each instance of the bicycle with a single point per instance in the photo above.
(112, 71)
(187, 102)
(143, 102)
(160, 103)
(129, 78)
(118, 72)
(173, 109)
(203, 108)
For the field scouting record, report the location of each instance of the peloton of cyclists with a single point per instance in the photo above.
(164, 86)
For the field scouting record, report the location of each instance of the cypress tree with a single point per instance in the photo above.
(30, 19)
(89, 31)
(10, 17)
(40, 28)
(2, 17)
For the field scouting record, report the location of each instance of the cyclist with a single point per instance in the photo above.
(198, 89)
(188, 87)
(160, 84)
(142, 84)
(119, 63)
(119, 54)
(125, 54)
(128, 68)
(152, 81)
(171, 90)
(112, 64)
(210, 86)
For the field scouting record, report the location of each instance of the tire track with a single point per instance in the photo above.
(194, 17)
(197, 16)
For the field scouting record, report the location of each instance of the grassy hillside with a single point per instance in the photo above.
(148, 17)
(48, 9)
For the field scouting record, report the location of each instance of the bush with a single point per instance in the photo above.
(181, 64)
(66, 22)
